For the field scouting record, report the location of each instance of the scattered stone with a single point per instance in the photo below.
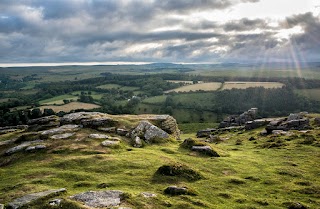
(62, 136)
(22, 201)
(174, 190)
(21, 147)
(149, 132)
(99, 136)
(35, 148)
(108, 143)
(55, 202)
(61, 129)
(206, 132)
(207, 150)
(137, 142)
(148, 194)
(99, 199)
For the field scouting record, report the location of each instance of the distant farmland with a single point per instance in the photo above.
(214, 86)
(245, 85)
(70, 106)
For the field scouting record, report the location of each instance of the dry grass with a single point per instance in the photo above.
(70, 106)
(212, 86)
(245, 85)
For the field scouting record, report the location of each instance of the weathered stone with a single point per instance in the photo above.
(174, 190)
(249, 125)
(294, 116)
(21, 147)
(98, 122)
(22, 201)
(61, 129)
(6, 142)
(99, 199)
(148, 194)
(239, 120)
(35, 148)
(99, 136)
(264, 132)
(1, 206)
(62, 136)
(76, 118)
(108, 143)
(207, 150)
(43, 123)
(294, 122)
(317, 121)
(149, 132)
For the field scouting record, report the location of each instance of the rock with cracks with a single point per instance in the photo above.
(149, 132)
(99, 199)
(27, 199)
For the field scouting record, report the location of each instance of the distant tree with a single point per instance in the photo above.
(48, 112)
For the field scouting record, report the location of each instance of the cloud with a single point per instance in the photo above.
(245, 24)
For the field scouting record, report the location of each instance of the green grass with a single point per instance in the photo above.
(155, 100)
(58, 99)
(109, 86)
(95, 95)
(194, 127)
(246, 176)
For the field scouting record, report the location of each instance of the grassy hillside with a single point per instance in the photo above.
(269, 172)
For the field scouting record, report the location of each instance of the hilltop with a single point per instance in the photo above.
(93, 159)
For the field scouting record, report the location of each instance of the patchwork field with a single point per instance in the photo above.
(211, 86)
(58, 100)
(245, 85)
(70, 106)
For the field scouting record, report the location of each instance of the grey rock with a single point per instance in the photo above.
(6, 142)
(148, 194)
(294, 116)
(21, 147)
(1, 206)
(61, 129)
(149, 132)
(137, 142)
(249, 125)
(99, 136)
(239, 120)
(207, 150)
(35, 148)
(108, 143)
(43, 123)
(22, 201)
(76, 118)
(206, 132)
(317, 121)
(263, 132)
(99, 199)
(62, 136)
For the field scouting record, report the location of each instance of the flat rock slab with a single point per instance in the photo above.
(61, 129)
(108, 143)
(207, 150)
(99, 199)
(22, 201)
(62, 136)
(21, 147)
(148, 194)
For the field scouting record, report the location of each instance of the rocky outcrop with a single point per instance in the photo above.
(249, 125)
(27, 199)
(148, 132)
(62, 136)
(239, 120)
(43, 123)
(9, 129)
(99, 199)
(293, 122)
(21, 147)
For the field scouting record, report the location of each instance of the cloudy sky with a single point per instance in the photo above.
(188, 31)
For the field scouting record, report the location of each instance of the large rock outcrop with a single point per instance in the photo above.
(149, 132)
(239, 120)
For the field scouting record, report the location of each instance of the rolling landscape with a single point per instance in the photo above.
(159, 104)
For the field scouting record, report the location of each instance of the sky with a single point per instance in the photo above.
(179, 31)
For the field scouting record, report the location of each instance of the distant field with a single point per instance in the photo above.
(212, 86)
(95, 95)
(313, 94)
(116, 86)
(70, 106)
(155, 100)
(58, 99)
(245, 85)
(4, 100)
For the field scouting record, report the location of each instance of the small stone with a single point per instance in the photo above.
(35, 148)
(207, 150)
(21, 147)
(108, 143)
(108, 130)
(148, 194)
(137, 142)
(55, 202)
(122, 132)
(174, 190)
(99, 199)
(62, 136)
